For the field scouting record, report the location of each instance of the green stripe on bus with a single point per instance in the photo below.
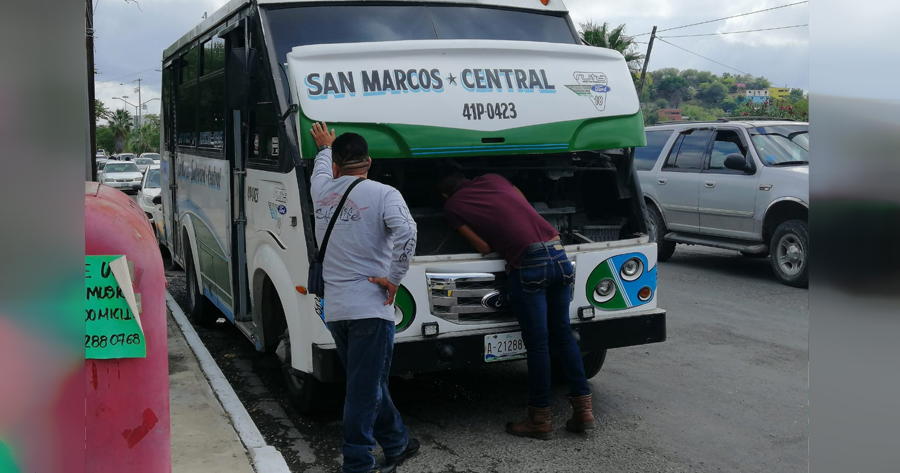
(408, 141)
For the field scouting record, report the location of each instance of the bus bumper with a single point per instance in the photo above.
(452, 351)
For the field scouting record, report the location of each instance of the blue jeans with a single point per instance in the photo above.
(540, 291)
(365, 348)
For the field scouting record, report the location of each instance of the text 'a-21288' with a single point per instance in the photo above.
(493, 111)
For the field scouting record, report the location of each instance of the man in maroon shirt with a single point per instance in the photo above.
(496, 217)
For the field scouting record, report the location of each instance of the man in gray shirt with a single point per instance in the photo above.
(369, 251)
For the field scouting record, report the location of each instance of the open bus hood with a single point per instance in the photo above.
(461, 97)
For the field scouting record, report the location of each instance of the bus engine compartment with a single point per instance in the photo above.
(588, 196)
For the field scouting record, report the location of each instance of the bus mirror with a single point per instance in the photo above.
(240, 76)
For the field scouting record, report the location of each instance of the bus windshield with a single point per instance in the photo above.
(301, 26)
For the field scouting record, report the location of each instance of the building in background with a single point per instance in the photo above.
(779, 94)
(670, 114)
(758, 96)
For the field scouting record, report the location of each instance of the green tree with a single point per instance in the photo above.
(713, 94)
(797, 95)
(729, 82)
(152, 119)
(695, 112)
(674, 88)
(758, 83)
(728, 105)
(100, 110)
(602, 37)
(144, 139)
(106, 138)
(120, 123)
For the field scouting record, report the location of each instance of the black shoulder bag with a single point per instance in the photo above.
(316, 284)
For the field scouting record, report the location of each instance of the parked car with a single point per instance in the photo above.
(154, 156)
(101, 162)
(738, 185)
(150, 188)
(143, 164)
(124, 176)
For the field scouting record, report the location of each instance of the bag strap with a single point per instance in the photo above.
(337, 211)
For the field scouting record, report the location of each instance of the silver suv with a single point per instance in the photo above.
(738, 185)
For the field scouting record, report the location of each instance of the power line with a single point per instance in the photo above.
(726, 18)
(704, 57)
(735, 32)
(128, 75)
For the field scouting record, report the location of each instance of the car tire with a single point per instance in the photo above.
(664, 249)
(200, 311)
(790, 253)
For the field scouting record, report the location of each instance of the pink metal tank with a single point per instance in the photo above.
(127, 400)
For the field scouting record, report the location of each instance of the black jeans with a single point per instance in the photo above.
(540, 291)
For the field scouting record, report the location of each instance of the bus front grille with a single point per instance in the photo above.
(469, 297)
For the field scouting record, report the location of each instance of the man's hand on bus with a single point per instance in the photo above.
(321, 135)
(391, 289)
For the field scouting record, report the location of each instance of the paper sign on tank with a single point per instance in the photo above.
(112, 320)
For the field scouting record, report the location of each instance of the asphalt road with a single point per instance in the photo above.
(726, 392)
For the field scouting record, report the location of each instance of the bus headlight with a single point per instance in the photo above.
(632, 269)
(604, 291)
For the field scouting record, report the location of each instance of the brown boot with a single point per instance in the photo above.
(536, 424)
(582, 415)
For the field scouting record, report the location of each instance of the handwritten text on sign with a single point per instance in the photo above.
(112, 323)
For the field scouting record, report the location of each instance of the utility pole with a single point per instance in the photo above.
(646, 60)
(140, 118)
(92, 109)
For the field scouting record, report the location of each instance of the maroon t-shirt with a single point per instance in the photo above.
(492, 208)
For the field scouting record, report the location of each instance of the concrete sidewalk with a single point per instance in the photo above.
(203, 437)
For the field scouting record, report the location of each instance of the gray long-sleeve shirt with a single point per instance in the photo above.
(374, 236)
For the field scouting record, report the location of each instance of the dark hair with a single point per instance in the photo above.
(349, 148)
(450, 181)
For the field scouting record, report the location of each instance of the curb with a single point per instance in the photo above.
(265, 458)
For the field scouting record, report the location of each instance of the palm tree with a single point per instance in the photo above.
(616, 39)
(120, 123)
(142, 139)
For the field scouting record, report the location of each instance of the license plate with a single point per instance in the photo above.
(503, 347)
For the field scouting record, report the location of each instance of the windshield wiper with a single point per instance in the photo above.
(791, 163)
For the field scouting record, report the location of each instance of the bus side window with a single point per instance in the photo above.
(211, 123)
(186, 102)
(264, 151)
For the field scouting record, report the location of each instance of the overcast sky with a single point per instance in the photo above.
(130, 38)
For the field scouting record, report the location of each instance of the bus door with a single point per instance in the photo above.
(170, 194)
(238, 147)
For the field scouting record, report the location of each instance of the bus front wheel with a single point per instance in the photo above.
(305, 391)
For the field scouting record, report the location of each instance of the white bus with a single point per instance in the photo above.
(499, 86)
